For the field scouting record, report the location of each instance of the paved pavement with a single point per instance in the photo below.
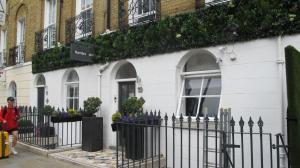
(27, 159)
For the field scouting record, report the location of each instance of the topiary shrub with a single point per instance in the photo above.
(91, 106)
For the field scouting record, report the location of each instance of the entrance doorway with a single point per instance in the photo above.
(40, 85)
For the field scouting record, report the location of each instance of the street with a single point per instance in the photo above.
(29, 160)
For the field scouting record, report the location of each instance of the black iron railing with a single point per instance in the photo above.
(215, 2)
(80, 26)
(155, 141)
(17, 54)
(45, 38)
(47, 132)
(134, 12)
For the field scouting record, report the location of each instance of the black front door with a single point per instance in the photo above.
(126, 90)
(40, 102)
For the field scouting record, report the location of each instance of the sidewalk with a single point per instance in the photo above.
(27, 159)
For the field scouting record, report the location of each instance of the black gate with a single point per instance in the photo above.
(220, 142)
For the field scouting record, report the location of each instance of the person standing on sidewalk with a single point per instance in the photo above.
(9, 116)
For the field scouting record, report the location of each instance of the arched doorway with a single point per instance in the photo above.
(40, 85)
(126, 78)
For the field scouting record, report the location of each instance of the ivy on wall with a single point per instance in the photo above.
(239, 20)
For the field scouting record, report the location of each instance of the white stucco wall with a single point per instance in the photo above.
(22, 76)
(252, 85)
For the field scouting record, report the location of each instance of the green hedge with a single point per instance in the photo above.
(293, 87)
(232, 22)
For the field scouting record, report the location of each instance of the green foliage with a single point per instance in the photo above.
(73, 112)
(230, 22)
(116, 116)
(48, 110)
(91, 105)
(132, 105)
(25, 123)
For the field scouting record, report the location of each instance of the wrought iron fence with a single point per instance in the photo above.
(47, 132)
(17, 54)
(45, 38)
(158, 141)
(134, 12)
(80, 26)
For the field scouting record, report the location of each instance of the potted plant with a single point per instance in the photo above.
(71, 115)
(133, 135)
(92, 126)
(46, 130)
(115, 118)
(91, 106)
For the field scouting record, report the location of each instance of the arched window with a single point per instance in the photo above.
(126, 78)
(41, 81)
(201, 87)
(13, 90)
(72, 85)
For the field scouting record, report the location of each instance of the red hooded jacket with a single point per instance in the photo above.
(11, 117)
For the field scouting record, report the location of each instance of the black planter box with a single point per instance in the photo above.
(68, 119)
(47, 131)
(92, 134)
(25, 130)
(134, 141)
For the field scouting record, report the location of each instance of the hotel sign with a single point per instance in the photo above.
(83, 52)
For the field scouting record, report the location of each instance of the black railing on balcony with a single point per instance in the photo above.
(134, 12)
(17, 54)
(215, 2)
(80, 26)
(3, 58)
(45, 38)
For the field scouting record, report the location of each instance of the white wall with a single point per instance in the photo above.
(252, 85)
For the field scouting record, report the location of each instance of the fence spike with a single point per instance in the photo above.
(241, 122)
(198, 119)
(232, 122)
(260, 122)
(166, 118)
(250, 123)
(206, 119)
(181, 118)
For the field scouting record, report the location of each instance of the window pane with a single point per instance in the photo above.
(209, 106)
(41, 80)
(70, 103)
(140, 6)
(201, 63)
(126, 71)
(76, 104)
(73, 77)
(212, 86)
(191, 105)
(76, 90)
(192, 87)
(146, 6)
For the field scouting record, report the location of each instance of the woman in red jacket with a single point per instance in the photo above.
(9, 116)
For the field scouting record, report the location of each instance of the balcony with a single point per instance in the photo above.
(45, 39)
(2, 59)
(135, 12)
(17, 54)
(80, 26)
(214, 2)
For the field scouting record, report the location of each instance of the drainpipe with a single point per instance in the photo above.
(101, 70)
(283, 91)
(59, 20)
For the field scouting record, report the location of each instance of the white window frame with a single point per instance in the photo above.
(3, 47)
(80, 8)
(133, 18)
(21, 30)
(50, 12)
(67, 86)
(191, 75)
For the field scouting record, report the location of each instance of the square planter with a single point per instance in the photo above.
(92, 134)
(134, 141)
(47, 132)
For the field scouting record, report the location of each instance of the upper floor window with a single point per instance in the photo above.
(140, 11)
(201, 87)
(19, 53)
(50, 12)
(2, 48)
(86, 4)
